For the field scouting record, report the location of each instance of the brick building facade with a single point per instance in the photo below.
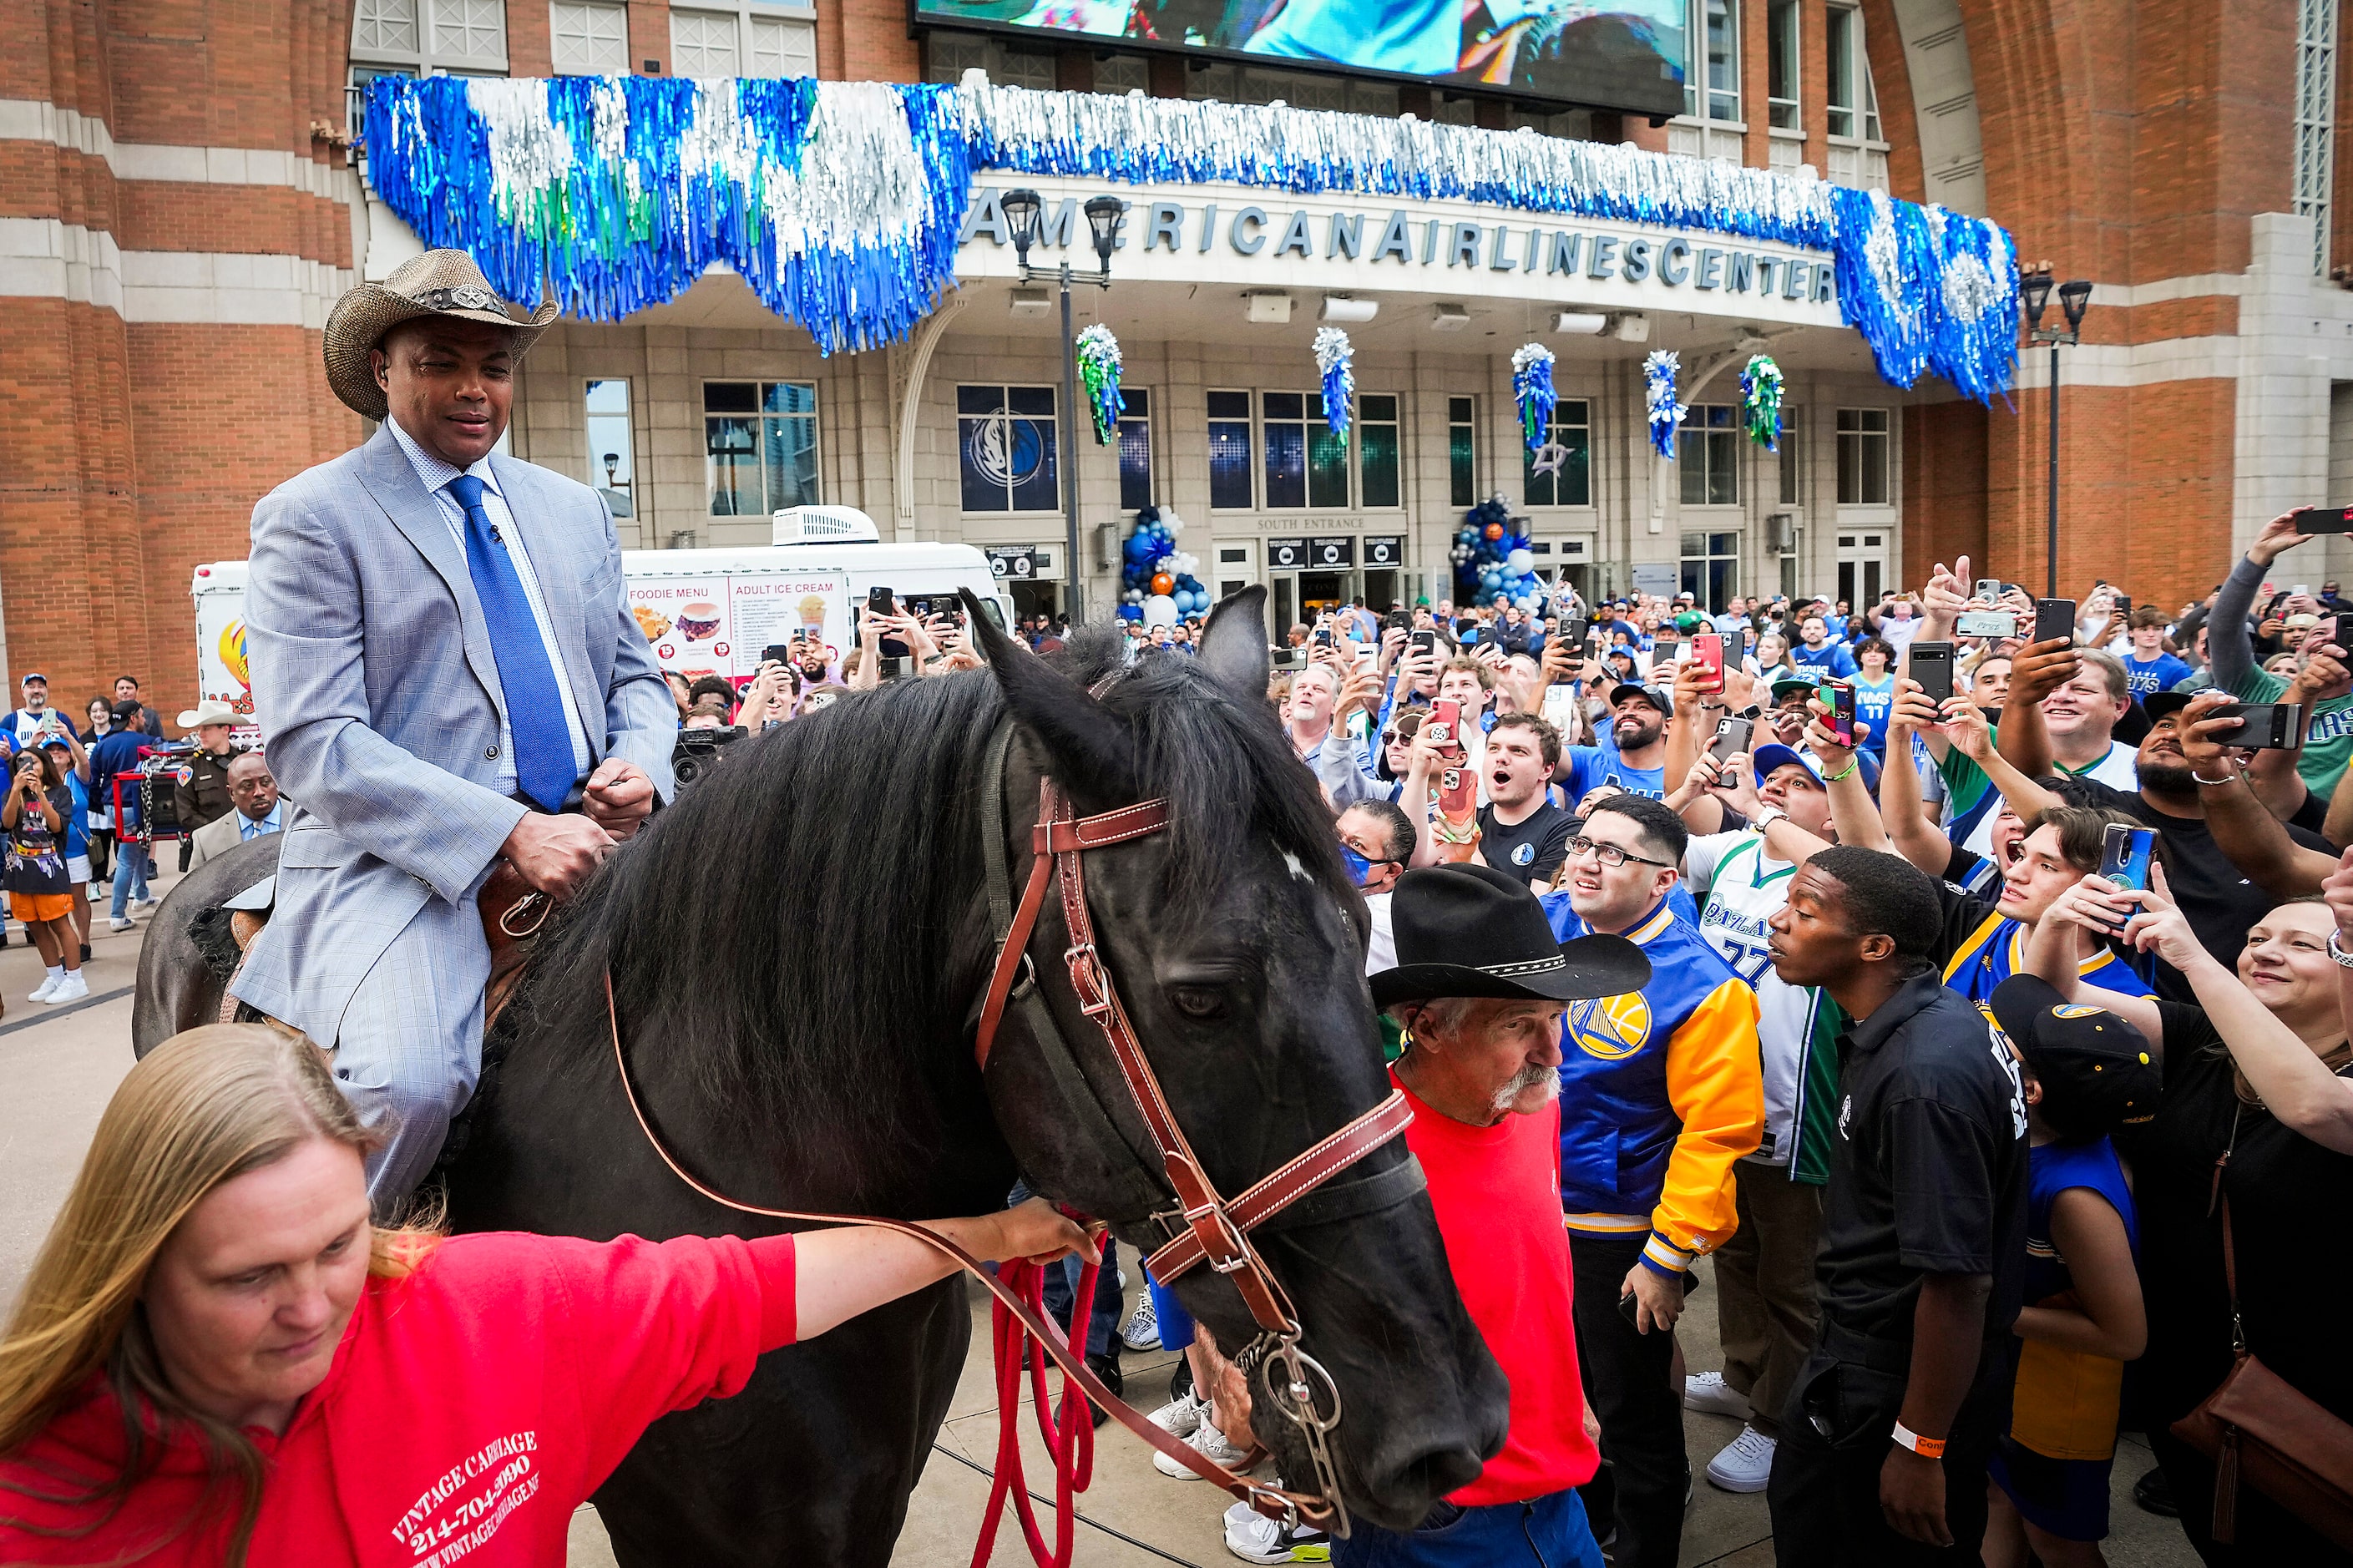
(180, 213)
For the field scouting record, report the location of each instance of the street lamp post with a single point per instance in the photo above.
(2075, 296)
(1024, 213)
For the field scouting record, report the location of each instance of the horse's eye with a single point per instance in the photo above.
(1197, 1001)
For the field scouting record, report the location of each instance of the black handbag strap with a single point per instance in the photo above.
(2216, 1198)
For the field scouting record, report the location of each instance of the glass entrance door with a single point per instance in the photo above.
(1320, 592)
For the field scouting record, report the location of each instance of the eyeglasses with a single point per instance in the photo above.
(1609, 855)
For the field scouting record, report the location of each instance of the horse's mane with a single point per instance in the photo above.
(799, 925)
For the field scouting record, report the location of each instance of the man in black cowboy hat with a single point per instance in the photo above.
(448, 676)
(1479, 989)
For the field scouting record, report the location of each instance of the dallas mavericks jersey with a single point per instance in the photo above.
(1744, 893)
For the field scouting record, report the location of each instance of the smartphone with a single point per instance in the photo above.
(1397, 620)
(1322, 637)
(881, 602)
(1731, 738)
(1443, 718)
(1985, 624)
(776, 653)
(1932, 667)
(1572, 631)
(2125, 855)
(1990, 590)
(2123, 604)
(2266, 726)
(1840, 698)
(1422, 642)
(2054, 618)
(2324, 520)
(1707, 652)
(1464, 624)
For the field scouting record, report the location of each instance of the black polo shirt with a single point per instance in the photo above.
(1928, 1170)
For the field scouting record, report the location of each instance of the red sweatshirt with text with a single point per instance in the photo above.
(470, 1408)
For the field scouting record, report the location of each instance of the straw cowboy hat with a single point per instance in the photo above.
(437, 283)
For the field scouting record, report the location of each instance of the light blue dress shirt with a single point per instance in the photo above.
(435, 476)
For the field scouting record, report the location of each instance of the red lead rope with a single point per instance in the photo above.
(1069, 1435)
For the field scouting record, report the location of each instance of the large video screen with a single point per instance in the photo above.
(1600, 54)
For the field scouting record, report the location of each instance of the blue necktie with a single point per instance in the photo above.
(543, 763)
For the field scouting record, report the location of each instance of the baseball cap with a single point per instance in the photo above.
(1687, 622)
(2096, 1069)
(30, 676)
(2301, 622)
(1789, 683)
(1766, 760)
(1655, 696)
(2157, 704)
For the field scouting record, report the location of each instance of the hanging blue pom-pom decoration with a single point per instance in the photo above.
(1659, 373)
(1532, 386)
(1336, 359)
(1098, 372)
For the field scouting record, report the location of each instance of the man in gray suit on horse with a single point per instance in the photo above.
(446, 676)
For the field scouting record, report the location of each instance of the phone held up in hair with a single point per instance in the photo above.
(2054, 619)
(1731, 739)
(1707, 652)
(1932, 667)
(1839, 698)
(2125, 855)
(2266, 726)
(2313, 520)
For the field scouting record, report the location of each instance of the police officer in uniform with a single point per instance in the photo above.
(203, 796)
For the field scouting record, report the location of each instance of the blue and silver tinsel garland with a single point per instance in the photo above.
(840, 202)
(837, 202)
(1335, 360)
(1532, 388)
(1659, 373)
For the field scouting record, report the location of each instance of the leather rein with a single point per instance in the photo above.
(1202, 1226)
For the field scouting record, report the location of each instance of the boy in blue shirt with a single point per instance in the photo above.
(2148, 668)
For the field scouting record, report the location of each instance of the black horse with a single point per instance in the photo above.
(796, 949)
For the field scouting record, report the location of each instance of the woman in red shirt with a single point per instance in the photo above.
(218, 1359)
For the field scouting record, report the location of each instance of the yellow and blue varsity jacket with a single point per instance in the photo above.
(1661, 1090)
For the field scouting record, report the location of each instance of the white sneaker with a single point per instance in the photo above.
(48, 982)
(1210, 1444)
(142, 904)
(1142, 1331)
(72, 988)
(120, 923)
(1707, 1391)
(1254, 1538)
(1181, 1417)
(1745, 1465)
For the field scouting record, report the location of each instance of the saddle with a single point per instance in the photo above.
(512, 912)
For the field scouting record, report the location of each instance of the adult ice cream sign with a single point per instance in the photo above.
(718, 624)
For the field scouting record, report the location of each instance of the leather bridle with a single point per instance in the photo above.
(1202, 1227)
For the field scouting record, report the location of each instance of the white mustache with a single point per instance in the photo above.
(1533, 1075)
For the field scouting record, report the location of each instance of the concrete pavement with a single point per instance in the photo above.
(59, 1066)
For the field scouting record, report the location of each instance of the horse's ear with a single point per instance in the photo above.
(1233, 645)
(1086, 743)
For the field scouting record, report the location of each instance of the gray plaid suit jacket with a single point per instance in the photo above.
(378, 696)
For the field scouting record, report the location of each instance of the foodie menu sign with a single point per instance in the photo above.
(716, 623)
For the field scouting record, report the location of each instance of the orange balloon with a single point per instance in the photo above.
(1494, 531)
(1162, 582)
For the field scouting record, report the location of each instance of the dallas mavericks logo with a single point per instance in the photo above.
(1005, 450)
(1610, 1028)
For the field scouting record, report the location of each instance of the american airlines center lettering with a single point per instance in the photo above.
(1702, 264)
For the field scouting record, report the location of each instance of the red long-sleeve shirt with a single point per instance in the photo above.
(1497, 1195)
(469, 1409)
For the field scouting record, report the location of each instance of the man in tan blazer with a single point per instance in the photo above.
(253, 794)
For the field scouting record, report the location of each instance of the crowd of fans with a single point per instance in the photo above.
(63, 839)
(1962, 1121)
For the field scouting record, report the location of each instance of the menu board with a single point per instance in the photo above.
(717, 625)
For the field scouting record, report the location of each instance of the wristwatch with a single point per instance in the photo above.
(1767, 817)
(2344, 958)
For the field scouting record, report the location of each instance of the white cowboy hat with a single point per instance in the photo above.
(437, 283)
(211, 710)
